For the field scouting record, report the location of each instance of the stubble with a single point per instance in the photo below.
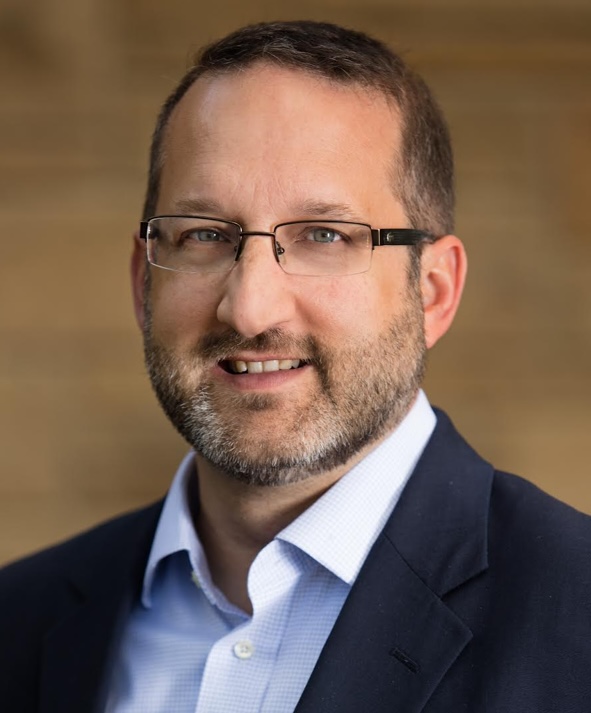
(360, 392)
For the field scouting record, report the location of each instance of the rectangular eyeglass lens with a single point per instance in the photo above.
(194, 244)
(324, 248)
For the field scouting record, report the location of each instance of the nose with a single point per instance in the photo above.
(257, 295)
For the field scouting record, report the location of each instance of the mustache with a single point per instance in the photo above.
(216, 347)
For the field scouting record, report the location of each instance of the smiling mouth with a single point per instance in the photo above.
(261, 367)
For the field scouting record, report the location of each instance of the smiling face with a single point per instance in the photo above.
(275, 377)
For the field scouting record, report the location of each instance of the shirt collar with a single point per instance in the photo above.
(337, 531)
(175, 531)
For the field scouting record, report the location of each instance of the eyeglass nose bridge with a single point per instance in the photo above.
(277, 249)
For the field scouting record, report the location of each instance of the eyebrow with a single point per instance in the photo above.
(311, 207)
(198, 206)
(339, 211)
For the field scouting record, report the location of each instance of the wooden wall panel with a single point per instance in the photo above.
(81, 435)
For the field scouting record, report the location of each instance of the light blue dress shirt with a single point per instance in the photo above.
(187, 649)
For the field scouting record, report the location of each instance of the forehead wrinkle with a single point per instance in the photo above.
(254, 202)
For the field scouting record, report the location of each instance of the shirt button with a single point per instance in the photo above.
(243, 649)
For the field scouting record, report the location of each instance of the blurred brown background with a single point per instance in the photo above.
(81, 435)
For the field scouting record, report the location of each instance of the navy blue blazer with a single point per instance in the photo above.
(476, 597)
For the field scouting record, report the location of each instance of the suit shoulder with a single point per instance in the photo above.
(517, 496)
(53, 562)
(537, 527)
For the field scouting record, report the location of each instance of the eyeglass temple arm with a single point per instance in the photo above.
(144, 230)
(399, 236)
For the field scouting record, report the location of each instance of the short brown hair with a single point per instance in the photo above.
(424, 171)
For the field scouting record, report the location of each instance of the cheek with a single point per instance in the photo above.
(393, 290)
(341, 308)
(183, 307)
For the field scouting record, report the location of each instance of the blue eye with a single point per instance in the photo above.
(324, 235)
(207, 235)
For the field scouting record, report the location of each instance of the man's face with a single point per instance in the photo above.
(262, 147)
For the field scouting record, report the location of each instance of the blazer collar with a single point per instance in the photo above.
(395, 637)
(440, 526)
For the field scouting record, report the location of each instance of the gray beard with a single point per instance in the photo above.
(363, 392)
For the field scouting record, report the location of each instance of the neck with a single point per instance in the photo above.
(235, 521)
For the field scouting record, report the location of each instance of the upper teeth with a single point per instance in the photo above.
(258, 367)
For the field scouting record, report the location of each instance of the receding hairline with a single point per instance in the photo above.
(422, 168)
(344, 84)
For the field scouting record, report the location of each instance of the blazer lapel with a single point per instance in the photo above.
(390, 647)
(395, 637)
(104, 584)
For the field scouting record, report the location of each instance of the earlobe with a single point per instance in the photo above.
(443, 273)
(138, 275)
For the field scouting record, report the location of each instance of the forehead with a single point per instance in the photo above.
(271, 130)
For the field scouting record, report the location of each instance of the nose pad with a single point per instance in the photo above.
(276, 247)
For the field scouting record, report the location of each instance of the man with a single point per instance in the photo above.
(330, 544)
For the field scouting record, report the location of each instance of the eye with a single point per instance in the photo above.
(323, 235)
(205, 235)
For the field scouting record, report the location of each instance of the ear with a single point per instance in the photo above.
(443, 273)
(138, 275)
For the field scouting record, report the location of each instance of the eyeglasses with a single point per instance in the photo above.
(200, 244)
